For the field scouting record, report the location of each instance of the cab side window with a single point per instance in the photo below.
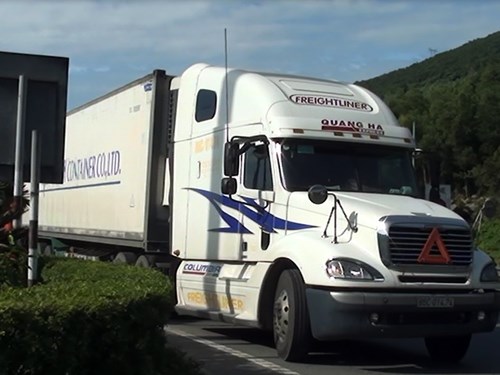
(257, 168)
(206, 104)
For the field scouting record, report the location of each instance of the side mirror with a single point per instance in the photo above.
(228, 186)
(317, 194)
(231, 159)
(434, 171)
(417, 153)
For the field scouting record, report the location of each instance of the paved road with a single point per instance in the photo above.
(225, 349)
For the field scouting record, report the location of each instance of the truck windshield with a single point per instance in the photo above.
(346, 166)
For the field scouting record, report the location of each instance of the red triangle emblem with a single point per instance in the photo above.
(426, 257)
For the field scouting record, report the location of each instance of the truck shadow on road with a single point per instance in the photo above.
(384, 356)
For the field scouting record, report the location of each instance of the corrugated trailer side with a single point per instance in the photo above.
(114, 171)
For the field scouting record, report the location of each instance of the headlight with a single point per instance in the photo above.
(489, 273)
(351, 269)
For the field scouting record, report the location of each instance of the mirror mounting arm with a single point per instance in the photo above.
(336, 202)
(318, 195)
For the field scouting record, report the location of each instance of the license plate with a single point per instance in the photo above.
(435, 302)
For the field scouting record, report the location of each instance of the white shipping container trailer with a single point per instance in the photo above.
(281, 202)
(115, 163)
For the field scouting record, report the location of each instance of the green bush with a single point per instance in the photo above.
(13, 265)
(89, 317)
(488, 238)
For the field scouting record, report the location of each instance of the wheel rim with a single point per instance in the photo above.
(281, 316)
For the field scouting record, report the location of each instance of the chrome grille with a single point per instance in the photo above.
(407, 241)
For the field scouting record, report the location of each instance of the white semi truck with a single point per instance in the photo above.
(275, 201)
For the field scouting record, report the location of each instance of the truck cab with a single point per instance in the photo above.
(295, 208)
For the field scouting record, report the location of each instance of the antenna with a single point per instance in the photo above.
(227, 85)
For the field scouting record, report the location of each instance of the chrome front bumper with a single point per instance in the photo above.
(344, 314)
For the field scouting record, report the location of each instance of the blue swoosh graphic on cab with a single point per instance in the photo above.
(256, 213)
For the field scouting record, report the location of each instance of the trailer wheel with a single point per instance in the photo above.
(450, 349)
(47, 249)
(145, 261)
(127, 257)
(291, 326)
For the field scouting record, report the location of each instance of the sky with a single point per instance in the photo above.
(112, 42)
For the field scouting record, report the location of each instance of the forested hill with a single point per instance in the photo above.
(446, 66)
(453, 98)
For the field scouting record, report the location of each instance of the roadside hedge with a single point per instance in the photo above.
(89, 317)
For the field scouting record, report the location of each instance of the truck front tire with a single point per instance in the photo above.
(449, 349)
(291, 326)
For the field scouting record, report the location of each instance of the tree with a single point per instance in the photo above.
(13, 256)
